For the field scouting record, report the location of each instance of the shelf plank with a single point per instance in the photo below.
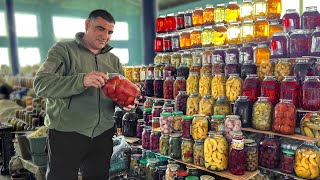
(160, 98)
(302, 110)
(279, 172)
(294, 136)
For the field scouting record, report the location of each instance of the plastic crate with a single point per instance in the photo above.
(39, 159)
(38, 145)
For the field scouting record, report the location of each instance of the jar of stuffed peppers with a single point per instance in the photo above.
(187, 150)
(198, 152)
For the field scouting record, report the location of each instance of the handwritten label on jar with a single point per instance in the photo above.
(237, 144)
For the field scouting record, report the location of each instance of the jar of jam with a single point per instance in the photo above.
(146, 137)
(158, 43)
(315, 43)
(206, 105)
(164, 144)
(246, 52)
(160, 24)
(205, 84)
(270, 88)
(274, 27)
(175, 41)
(155, 123)
(233, 33)
(261, 29)
(220, 13)
(247, 33)
(168, 88)
(266, 68)
(208, 15)
(217, 123)
(246, 10)
(183, 71)
(150, 70)
(237, 156)
(166, 122)
(193, 83)
(291, 20)
(148, 86)
(261, 53)
(187, 150)
(248, 68)
(243, 108)
(175, 146)
(158, 87)
(219, 34)
(181, 102)
(259, 8)
(179, 85)
(140, 126)
(310, 18)
(198, 152)
(269, 151)
(251, 151)
(262, 113)
(232, 12)
(195, 38)
(219, 55)
(154, 141)
(231, 125)
(218, 86)
(231, 67)
(287, 161)
(283, 68)
(180, 20)
(301, 69)
(279, 45)
(298, 43)
(274, 9)
(193, 104)
(171, 23)
(207, 36)
(188, 18)
(311, 93)
(284, 117)
(222, 106)
(290, 90)
(233, 87)
(197, 16)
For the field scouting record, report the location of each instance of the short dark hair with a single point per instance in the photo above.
(103, 14)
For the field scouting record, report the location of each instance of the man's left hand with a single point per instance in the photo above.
(130, 107)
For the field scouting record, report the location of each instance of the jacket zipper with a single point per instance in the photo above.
(98, 95)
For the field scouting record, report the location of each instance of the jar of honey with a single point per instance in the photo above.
(208, 15)
(233, 33)
(195, 38)
(180, 20)
(274, 9)
(197, 16)
(261, 54)
(185, 41)
(207, 36)
(220, 14)
(188, 18)
(247, 34)
(171, 24)
(219, 34)
(259, 8)
(232, 12)
(246, 10)
(160, 24)
(274, 27)
(261, 29)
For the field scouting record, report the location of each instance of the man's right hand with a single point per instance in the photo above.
(95, 79)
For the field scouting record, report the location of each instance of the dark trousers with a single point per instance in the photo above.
(69, 151)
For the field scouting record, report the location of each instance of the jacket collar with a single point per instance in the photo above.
(79, 40)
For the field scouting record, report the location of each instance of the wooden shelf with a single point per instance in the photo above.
(302, 110)
(279, 172)
(294, 136)
(160, 98)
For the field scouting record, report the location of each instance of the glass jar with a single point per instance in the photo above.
(262, 113)
(164, 145)
(157, 60)
(188, 18)
(158, 70)
(237, 156)
(183, 70)
(143, 168)
(193, 104)
(291, 20)
(143, 73)
(166, 122)
(128, 72)
(261, 54)
(283, 68)
(205, 84)
(232, 12)
(232, 54)
(266, 68)
(154, 141)
(274, 9)
(146, 137)
(251, 88)
(243, 108)
(246, 52)
(206, 105)
(231, 67)
(298, 43)
(279, 45)
(196, 67)
(269, 151)
(179, 85)
(217, 68)
(185, 40)
(129, 124)
(199, 128)
(219, 34)
(160, 172)
(176, 60)
(158, 87)
(287, 161)
(231, 125)
(167, 44)
(181, 102)
(160, 24)
(206, 60)
(187, 150)
(233, 33)
(274, 27)
(175, 146)
(195, 38)
(270, 88)
(140, 126)
(310, 18)
(248, 68)
(208, 15)
(311, 93)
(177, 118)
(284, 117)
(151, 169)
(147, 115)
(150, 71)
(180, 20)
(247, 33)
(205, 69)
(155, 123)
(196, 58)
(307, 152)
(158, 43)
(290, 90)
(207, 36)
(259, 8)
(233, 87)
(171, 171)
(217, 123)
(168, 88)
(198, 152)
(169, 70)
(219, 55)
(136, 74)
(193, 83)
(315, 43)
(309, 124)
(148, 103)
(251, 151)
(134, 165)
(222, 106)
(171, 23)
(220, 13)
(246, 10)
(197, 16)
(261, 29)
(301, 69)
(186, 126)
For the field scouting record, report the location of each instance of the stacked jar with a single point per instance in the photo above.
(290, 90)
(193, 104)
(251, 88)
(243, 108)
(200, 127)
(269, 151)
(237, 158)
(222, 106)
(284, 117)
(206, 105)
(181, 102)
(231, 125)
(262, 113)
(166, 123)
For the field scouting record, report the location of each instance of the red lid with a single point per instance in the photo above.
(182, 173)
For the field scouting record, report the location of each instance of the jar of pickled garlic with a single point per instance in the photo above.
(261, 29)
(217, 123)
(232, 12)
(262, 114)
(195, 38)
(197, 16)
(259, 8)
(218, 86)
(180, 20)
(195, 68)
(187, 150)
(315, 45)
(205, 84)
(208, 15)
(188, 18)
(216, 152)
(274, 9)
(283, 68)
(233, 33)
(291, 20)
(206, 105)
(158, 43)
(175, 41)
(176, 59)
(167, 44)
(247, 34)
(220, 13)
(198, 152)
(177, 118)
(169, 70)
(248, 68)
(231, 67)
(269, 152)
(185, 40)
(179, 85)
(279, 45)
(261, 54)
(158, 71)
(251, 88)
(219, 34)
(222, 106)
(231, 125)
(301, 69)
(154, 141)
(207, 36)
(193, 104)
(197, 57)
(251, 150)
(183, 71)
(310, 18)
(270, 88)
(311, 93)
(160, 24)
(274, 26)
(186, 126)
(284, 117)
(171, 23)
(243, 108)
(237, 156)
(175, 146)
(158, 87)
(265, 68)
(290, 90)
(298, 43)
(246, 10)
(233, 87)
(164, 145)
(187, 58)
(193, 83)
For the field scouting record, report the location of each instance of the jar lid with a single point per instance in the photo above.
(182, 173)
(186, 117)
(156, 118)
(165, 114)
(157, 107)
(177, 113)
(136, 156)
(288, 152)
(206, 177)
(249, 142)
(143, 161)
(175, 135)
(217, 117)
(192, 178)
(147, 110)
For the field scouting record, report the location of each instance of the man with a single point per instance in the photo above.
(79, 116)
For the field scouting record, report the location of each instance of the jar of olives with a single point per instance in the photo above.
(251, 151)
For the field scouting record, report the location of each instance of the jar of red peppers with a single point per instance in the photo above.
(154, 141)
(181, 102)
(290, 90)
(158, 87)
(170, 21)
(168, 88)
(285, 116)
(287, 161)
(140, 126)
(237, 157)
(166, 123)
(146, 137)
(179, 85)
(311, 93)
(186, 126)
(270, 88)
(269, 151)
(160, 24)
(187, 150)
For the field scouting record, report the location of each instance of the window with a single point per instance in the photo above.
(307, 3)
(4, 56)
(122, 53)
(121, 31)
(290, 4)
(66, 28)
(3, 29)
(29, 56)
(26, 25)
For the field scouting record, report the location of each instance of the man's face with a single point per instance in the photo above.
(98, 32)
